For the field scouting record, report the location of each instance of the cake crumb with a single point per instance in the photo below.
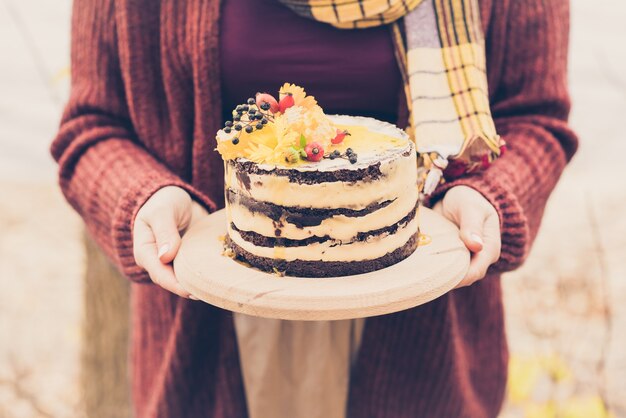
(278, 272)
(228, 252)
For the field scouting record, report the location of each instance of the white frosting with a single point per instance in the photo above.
(339, 226)
(371, 249)
(399, 174)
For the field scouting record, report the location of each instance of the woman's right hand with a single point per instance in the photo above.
(157, 234)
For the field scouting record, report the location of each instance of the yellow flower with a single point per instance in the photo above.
(285, 136)
(225, 146)
(272, 144)
(308, 102)
(297, 92)
(260, 153)
(279, 141)
(299, 96)
(265, 136)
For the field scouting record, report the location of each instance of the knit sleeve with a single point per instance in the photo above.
(104, 172)
(530, 106)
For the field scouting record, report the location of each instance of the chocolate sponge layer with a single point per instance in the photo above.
(369, 173)
(302, 268)
(263, 241)
(299, 216)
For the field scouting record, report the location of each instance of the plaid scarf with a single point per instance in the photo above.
(442, 61)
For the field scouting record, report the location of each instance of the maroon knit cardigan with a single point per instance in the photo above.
(143, 112)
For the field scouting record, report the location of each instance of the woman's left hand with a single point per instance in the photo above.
(479, 226)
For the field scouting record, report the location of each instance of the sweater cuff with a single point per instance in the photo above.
(126, 211)
(515, 233)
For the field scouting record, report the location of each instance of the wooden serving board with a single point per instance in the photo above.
(432, 270)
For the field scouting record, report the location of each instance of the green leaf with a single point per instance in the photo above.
(302, 141)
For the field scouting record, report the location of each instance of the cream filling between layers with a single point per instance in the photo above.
(339, 227)
(376, 247)
(397, 175)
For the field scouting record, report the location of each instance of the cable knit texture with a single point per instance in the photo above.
(143, 111)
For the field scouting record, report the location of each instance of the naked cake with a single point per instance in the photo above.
(314, 195)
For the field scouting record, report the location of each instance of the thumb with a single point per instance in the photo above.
(167, 237)
(471, 223)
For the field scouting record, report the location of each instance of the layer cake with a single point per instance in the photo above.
(352, 210)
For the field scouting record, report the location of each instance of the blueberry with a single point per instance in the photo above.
(237, 118)
(353, 159)
(245, 108)
(249, 129)
(251, 101)
(265, 106)
(259, 126)
(349, 151)
(227, 130)
(235, 141)
(228, 123)
(264, 121)
(238, 127)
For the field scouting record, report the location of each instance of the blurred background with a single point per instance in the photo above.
(566, 308)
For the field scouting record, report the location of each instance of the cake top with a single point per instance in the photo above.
(294, 132)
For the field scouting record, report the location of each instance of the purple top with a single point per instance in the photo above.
(264, 44)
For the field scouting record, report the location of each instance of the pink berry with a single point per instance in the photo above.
(286, 102)
(340, 136)
(262, 98)
(314, 151)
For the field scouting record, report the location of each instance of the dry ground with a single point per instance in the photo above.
(565, 308)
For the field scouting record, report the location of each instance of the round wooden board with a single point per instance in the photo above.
(431, 271)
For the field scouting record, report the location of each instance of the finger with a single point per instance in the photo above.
(471, 222)
(143, 243)
(166, 233)
(145, 251)
(477, 268)
(163, 275)
(482, 260)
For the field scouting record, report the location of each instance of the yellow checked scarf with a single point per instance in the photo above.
(442, 61)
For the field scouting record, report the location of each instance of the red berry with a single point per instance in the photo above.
(455, 169)
(314, 151)
(484, 162)
(286, 102)
(340, 136)
(269, 99)
(503, 150)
